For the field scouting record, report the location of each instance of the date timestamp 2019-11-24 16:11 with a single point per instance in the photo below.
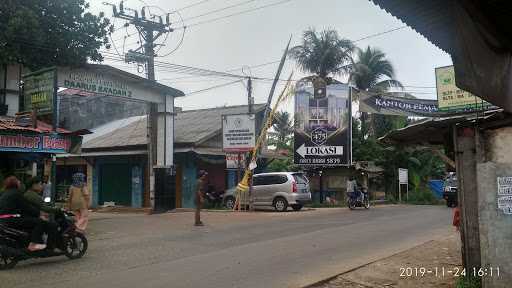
(451, 271)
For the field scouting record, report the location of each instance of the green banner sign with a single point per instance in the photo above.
(38, 90)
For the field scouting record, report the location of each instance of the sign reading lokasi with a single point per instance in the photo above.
(238, 132)
(322, 135)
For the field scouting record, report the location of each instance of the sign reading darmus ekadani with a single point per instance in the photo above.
(46, 143)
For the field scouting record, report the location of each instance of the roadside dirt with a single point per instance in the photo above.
(387, 272)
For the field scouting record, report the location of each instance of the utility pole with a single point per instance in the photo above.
(150, 30)
(250, 100)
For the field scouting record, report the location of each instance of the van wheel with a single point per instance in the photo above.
(230, 203)
(280, 204)
(296, 207)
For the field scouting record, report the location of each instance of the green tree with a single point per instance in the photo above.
(53, 32)
(282, 139)
(324, 54)
(372, 72)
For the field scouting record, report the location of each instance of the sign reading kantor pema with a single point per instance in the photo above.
(322, 134)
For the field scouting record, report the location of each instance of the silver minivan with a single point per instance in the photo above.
(278, 189)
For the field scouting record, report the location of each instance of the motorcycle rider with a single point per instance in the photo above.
(17, 212)
(33, 195)
(352, 187)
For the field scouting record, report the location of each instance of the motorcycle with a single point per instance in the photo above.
(359, 198)
(214, 198)
(13, 242)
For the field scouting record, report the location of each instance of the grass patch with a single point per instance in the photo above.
(423, 196)
(469, 282)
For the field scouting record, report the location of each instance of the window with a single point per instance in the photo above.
(300, 178)
(269, 180)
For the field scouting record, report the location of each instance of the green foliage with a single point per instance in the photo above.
(422, 196)
(469, 282)
(282, 139)
(46, 33)
(324, 53)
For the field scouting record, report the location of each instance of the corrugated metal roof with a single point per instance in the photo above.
(190, 126)
(7, 123)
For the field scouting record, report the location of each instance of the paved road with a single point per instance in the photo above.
(234, 249)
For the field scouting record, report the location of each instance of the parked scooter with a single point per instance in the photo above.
(213, 197)
(360, 198)
(14, 242)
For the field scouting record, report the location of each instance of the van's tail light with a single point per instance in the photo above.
(294, 187)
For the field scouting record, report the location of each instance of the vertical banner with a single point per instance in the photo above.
(39, 89)
(322, 135)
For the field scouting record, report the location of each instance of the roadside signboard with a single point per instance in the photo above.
(45, 143)
(451, 98)
(38, 90)
(505, 194)
(322, 135)
(403, 176)
(238, 132)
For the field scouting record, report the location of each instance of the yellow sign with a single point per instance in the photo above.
(450, 97)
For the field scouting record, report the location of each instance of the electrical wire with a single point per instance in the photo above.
(219, 10)
(181, 40)
(213, 87)
(235, 14)
(190, 6)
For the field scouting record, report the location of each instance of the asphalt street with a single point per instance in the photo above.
(262, 249)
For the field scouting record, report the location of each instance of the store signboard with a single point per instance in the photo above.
(38, 90)
(238, 132)
(45, 143)
(388, 104)
(322, 135)
(505, 194)
(451, 98)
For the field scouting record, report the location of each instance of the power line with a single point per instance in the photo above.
(380, 33)
(190, 6)
(213, 87)
(234, 14)
(219, 10)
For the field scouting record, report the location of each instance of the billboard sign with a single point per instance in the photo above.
(238, 132)
(386, 103)
(403, 176)
(451, 98)
(45, 143)
(38, 90)
(322, 135)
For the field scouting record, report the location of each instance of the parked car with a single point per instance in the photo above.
(450, 190)
(279, 190)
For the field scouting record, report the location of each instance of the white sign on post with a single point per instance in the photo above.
(238, 132)
(403, 176)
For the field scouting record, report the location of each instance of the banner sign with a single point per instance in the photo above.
(38, 91)
(46, 143)
(392, 105)
(322, 135)
(451, 98)
(235, 160)
(238, 132)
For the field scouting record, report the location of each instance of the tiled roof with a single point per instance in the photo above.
(7, 124)
(190, 126)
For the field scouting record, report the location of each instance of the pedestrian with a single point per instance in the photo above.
(78, 201)
(47, 188)
(201, 181)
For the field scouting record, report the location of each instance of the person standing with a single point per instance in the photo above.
(78, 201)
(201, 181)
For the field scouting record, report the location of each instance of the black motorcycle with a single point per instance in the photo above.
(14, 242)
(359, 198)
(214, 198)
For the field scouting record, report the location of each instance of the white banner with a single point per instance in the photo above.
(238, 132)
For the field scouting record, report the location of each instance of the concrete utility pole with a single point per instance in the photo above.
(150, 31)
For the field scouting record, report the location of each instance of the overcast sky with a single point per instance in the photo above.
(260, 37)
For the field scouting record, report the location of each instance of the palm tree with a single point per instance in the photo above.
(324, 54)
(283, 129)
(374, 73)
